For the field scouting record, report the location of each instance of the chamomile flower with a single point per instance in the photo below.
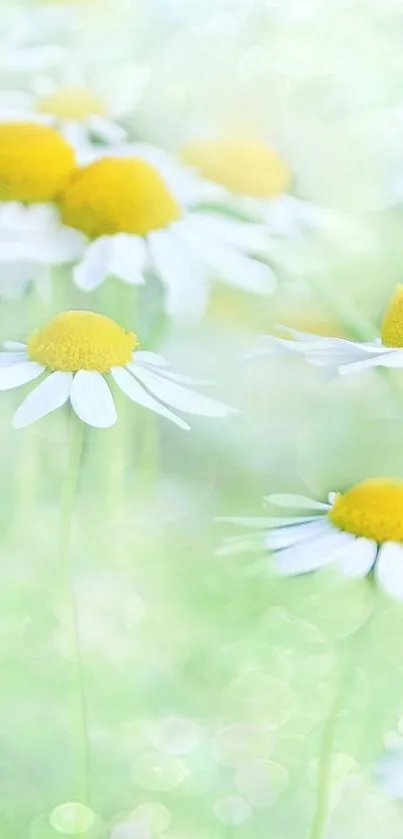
(258, 180)
(36, 163)
(136, 208)
(388, 771)
(360, 530)
(78, 351)
(81, 110)
(339, 354)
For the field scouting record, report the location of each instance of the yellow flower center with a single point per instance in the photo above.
(77, 103)
(392, 326)
(373, 509)
(118, 195)
(36, 162)
(244, 166)
(78, 340)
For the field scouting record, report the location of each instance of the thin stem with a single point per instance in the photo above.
(149, 452)
(67, 510)
(324, 779)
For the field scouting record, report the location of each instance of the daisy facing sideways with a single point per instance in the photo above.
(255, 177)
(340, 355)
(360, 531)
(78, 351)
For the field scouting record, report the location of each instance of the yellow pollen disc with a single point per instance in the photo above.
(244, 166)
(81, 341)
(373, 509)
(76, 103)
(36, 162)
(392, 326)
(118, 195)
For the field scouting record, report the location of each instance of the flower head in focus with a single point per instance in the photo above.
(78, 351)
(340, 355)
(360, 531)
(136, 206)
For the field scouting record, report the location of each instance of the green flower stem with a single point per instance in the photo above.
(149, 452)
(66, 518)
(344, 683)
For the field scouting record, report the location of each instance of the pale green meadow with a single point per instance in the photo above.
(164, 674)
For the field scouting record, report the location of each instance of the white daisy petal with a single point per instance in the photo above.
(50, 394)
(284, 537)
(92, 400)
(128, 257)
(389, 568)
(134, 391)
(179, 397)
(182, 275)
(251, 238)
(226, 264)
(106, 130)
(7, 358)
(95, 265)
(147, 357)
(14, 345)
(19, 374)
(296, 501)
(269, 521)
(394, 358)
(358, 561)
(312, 554)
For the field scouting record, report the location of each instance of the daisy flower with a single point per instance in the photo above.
(36, 163)
(137, 209)
(360, 530)
(339, 354)
(78, 351)
(389, 771)
(81, 111)
(257, 179)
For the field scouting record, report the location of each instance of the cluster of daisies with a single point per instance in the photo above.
(79, 189)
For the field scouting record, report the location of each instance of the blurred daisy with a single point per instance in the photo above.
(389, 771)
(36, 163)
(340, 355)
(360, 530)
(255, 176)
(77, 350)
(137, 211)
(81, 111)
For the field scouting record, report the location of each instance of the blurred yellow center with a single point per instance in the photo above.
(118, 195)
(373, 509)
(76, 103)
(244, 166)
(78, 340)
(36, 162)
(392, 326)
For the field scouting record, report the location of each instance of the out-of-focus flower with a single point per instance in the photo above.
(344, 356)
(35, 165)
(388, 771)
(76, 350)
(360, 530)
(137, 208)
(255, 176)
(81, 110)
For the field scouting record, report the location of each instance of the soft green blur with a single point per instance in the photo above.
(206, 680)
